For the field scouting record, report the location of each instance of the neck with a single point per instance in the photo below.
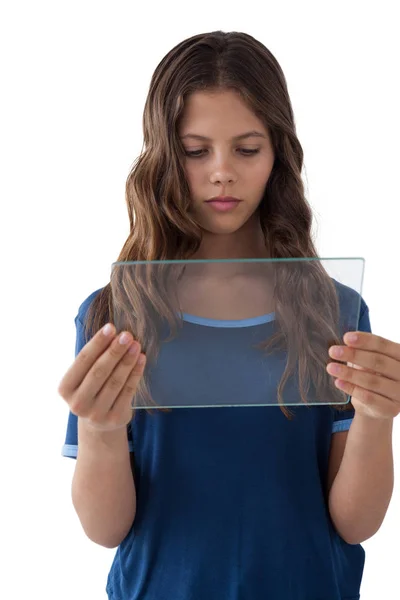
(245, 243)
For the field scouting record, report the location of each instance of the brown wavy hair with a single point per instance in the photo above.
(161, 228)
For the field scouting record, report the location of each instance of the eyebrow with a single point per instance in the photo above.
(242, 136)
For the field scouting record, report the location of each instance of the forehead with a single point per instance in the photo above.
(218, 111)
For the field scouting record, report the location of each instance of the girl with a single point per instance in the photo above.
(224, 504)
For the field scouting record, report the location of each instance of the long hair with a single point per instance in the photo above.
(158, 200)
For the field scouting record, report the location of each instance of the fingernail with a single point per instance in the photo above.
(351, 338)
(141, 360)
(134, 348)
(124, 338)
(340, 384)
(107, 330)
(336, 351)
(334, 368)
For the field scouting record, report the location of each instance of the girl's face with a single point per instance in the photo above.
(222, 161)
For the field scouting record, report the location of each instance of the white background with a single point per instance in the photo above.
(74, 78)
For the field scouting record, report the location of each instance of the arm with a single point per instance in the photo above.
(361, 491)
(103, 488)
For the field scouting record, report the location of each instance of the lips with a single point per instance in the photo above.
(223, 203)
(224, 199)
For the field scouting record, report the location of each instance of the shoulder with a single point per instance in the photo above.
(85, 305)
(351, 304)
(348, 295)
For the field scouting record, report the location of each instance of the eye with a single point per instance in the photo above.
(248, 152)
(193, 153)
(244, 152)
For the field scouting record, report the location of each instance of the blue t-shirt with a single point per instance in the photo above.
(231, 501)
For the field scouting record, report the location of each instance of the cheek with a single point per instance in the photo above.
(194, 176)
(262, 170)
(260, 176)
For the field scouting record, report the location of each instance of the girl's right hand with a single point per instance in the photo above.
(100, 384)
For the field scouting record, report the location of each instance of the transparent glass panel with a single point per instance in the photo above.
(251, 332)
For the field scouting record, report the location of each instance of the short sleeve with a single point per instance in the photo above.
(343, 419)
(70, 447)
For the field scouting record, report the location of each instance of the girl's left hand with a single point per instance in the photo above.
(373, 376)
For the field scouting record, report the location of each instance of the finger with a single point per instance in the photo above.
(125, 398)
(368, 398)
(361, 368)
(85, 395)
(373, 343)
(372, 361)
(364, 379)
(85, 360)
(112, 387)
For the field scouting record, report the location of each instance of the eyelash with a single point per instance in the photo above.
(245, 152)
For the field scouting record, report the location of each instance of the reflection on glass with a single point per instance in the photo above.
(251, 332)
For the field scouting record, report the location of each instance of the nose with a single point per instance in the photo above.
(222, 173)
(222, 179)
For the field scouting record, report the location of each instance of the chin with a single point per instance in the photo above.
(222, 229)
